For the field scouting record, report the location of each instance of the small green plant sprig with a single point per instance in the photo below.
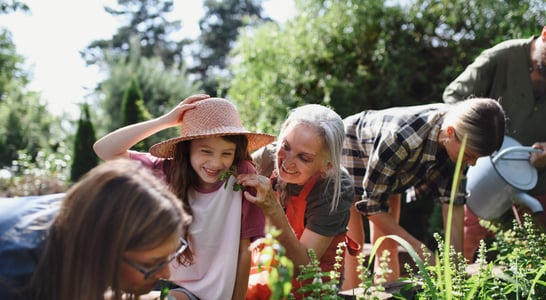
(323, 285)
(164, 290)
(232, 171)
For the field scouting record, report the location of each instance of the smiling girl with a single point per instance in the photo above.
(212, 140)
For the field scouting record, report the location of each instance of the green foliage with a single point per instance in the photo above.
(33, 156)
(219, 29)
(226, 174)
(367, 54)
(449, 42)
(164, 290)
(522, 256)
(162, 88)
(322, 285)
(133, 111)
(517, 272)
(366, 279)
(84, 156)
(11, 74)
(130, 110)
(148, 25)
(26, 125)
(142, 49)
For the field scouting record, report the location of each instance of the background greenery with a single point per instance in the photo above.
(350, 55)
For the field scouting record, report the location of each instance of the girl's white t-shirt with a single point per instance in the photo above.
(215, 236)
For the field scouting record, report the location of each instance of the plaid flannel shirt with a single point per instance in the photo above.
(389, 151)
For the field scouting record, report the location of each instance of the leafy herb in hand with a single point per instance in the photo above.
(229, 172)
(164, 295)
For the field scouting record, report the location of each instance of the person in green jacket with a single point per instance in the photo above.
(514, 73)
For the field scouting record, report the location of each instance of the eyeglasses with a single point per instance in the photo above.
(149, 272)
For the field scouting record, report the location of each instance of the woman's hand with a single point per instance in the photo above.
(538, 159)
(175, 116)
(264, 196)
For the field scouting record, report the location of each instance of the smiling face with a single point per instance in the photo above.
(209, 157)
(301, 154)
(132, 280)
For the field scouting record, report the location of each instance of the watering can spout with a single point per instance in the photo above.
(531, 202)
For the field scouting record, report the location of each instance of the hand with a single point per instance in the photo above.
(175, 116)
(538, 159)
(262, 192)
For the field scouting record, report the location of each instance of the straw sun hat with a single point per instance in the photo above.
(210, 117)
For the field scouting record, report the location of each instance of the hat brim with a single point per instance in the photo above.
(165, 149)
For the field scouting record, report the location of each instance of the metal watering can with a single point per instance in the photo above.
(497, 182)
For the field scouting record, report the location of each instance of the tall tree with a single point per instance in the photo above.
(161, 87)
(32, 142)
(84, 156)
(148, 25)
(11, 73)
(142, 49)
(219, 30)
(133, 111)
(25, 122)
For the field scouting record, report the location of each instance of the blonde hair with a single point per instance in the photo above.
(117, 206)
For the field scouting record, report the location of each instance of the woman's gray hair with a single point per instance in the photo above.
(330, 126)
(482, 120)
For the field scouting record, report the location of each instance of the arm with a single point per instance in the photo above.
(388, 224)
(243, 270)
(457, 225)
(473, 81)
(117, 143)
(296, 249)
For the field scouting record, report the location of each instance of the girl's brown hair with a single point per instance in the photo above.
(116, 207)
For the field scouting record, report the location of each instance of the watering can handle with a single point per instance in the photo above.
(515, 149)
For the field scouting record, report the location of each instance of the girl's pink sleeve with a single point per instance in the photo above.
(150, 161)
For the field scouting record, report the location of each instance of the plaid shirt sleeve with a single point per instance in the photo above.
(380, 177)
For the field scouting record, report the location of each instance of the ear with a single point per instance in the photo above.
(326, 167)
(450, 130)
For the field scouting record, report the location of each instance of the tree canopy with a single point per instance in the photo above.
(219, 30)
(367, 54)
